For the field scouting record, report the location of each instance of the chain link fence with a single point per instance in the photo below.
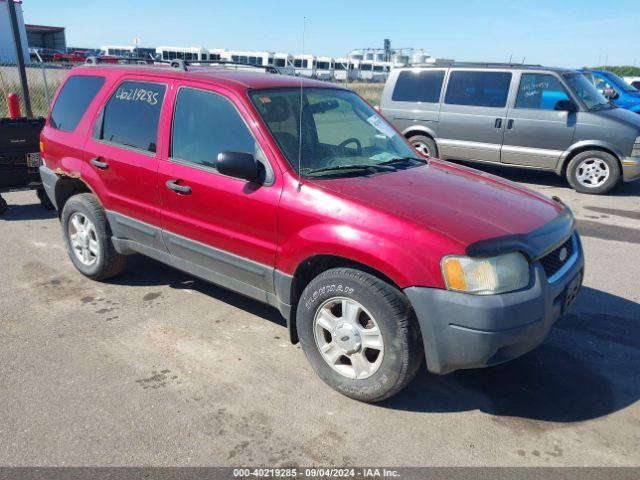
(43, 80)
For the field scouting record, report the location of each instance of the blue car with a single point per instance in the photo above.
(615, 89)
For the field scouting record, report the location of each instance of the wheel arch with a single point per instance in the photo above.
(66, 187)
(585, 146)
(291, 288)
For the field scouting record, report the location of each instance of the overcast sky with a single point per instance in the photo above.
(572, 33)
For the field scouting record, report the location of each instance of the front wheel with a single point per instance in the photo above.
(359, 333)
(594, 171)
(44, 200)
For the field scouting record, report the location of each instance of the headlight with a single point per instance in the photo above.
(486, 275)
(636, 148)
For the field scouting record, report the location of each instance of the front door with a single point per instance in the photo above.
(122, 164)
(223, 227)
(536, 134)
(472, 116)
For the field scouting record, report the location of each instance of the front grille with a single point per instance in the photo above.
(551, 262)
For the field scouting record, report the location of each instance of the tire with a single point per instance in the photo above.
(594, 171)
(3, 205)
(102, 260)
(424, 145)
(399, 351)
(44, 200)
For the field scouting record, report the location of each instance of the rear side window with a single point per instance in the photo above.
(73, 101)
(131, 115)
(418, 86)
(205, 124)
(540, 91)
(480, 89)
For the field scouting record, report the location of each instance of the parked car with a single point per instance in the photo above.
(20, 158)
(375, 255)
(615, 89)
(524, 116)
(77, 56)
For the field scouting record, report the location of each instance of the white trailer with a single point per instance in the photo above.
(324, 68)
(182, 53)
(284, 63)
(305, 65)
(345, 69)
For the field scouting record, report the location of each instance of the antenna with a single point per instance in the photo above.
(304, 24)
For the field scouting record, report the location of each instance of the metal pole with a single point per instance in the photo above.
(18, 45)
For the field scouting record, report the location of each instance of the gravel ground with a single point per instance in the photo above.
(158, 368)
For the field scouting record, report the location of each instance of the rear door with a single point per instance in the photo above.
(473, 114)
(225, 226)
(536, 134)
(123, 159)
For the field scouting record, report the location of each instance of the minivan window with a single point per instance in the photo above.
(540, 91)
(418, 86)
(205, 124)
(587, 92)
(132, 113)
(73, 101)
(479, 89)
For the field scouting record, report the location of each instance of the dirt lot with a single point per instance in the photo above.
(157, 368)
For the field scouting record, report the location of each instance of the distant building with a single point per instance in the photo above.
(7, 48)
(43, 36)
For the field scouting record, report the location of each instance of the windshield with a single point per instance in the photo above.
(620, 82)
(587, 92)
(341, 133)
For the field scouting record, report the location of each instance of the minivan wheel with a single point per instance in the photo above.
(359, 333)
(424, 145)
(87, 236)
(593, 171)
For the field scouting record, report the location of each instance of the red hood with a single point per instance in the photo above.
(461, 203)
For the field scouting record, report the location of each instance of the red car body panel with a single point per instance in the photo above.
(400, 223)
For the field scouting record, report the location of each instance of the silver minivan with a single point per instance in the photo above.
(516, 115)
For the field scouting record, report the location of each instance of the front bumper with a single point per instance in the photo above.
(461, 331)
(630, 168)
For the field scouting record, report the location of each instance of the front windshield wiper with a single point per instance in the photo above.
(352, 167)
(401, 160)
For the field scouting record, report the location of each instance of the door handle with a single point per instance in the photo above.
(498, 123)
(96, 162)
(182, 189)
(510, 123)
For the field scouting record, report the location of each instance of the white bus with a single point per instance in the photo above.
(182, 53)
(263, 59)
(283, 62)
(125, 51)
(324, 68)
(215, 53)
(305, 65)
(345, 69)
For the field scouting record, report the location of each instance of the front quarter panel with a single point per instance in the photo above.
(314, 221)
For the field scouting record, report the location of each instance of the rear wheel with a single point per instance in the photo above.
(594, 171)
(359, 334)
(424, 145)
(87, 237)
(3, 205)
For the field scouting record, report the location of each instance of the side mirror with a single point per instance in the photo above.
(239, 165)
(610, 94)
(565, 106)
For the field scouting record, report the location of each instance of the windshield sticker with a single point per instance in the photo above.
(383, 157)
(379, 124)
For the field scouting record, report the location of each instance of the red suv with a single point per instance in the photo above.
(299, 194)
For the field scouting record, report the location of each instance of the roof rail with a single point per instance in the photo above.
(476, 64)
(181, 64)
